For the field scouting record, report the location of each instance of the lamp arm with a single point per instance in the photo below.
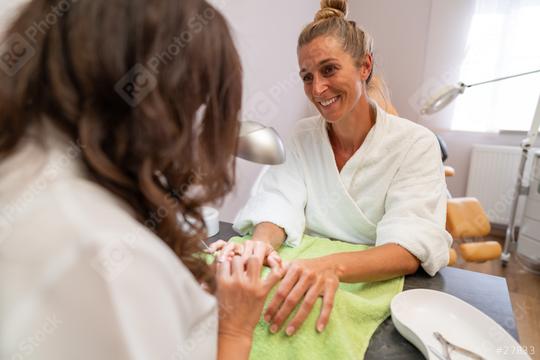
(504, 78)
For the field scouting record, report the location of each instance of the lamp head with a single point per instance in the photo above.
(443, 98)
(260, 144)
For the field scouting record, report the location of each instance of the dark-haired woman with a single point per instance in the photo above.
(118, 120)
(354, 173)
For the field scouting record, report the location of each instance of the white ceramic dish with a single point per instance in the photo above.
(418, 313)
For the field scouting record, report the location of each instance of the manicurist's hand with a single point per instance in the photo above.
(304, 282)
(241, 293)
(245, 249)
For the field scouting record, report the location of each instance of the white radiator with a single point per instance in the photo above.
(492, 177)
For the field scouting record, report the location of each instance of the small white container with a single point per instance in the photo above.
(211, 219)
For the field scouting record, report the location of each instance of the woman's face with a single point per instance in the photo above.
(332, 79)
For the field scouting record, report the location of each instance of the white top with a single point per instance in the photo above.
(392, 190)
(80, 278)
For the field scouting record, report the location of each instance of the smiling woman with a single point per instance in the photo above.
(354, 173)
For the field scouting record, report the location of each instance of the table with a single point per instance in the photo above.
(487, 293)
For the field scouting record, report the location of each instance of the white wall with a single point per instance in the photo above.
(266, 33)
(399, 30)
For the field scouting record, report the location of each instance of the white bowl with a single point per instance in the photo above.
(418, 313)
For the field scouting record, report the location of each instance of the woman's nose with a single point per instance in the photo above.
(319, 85)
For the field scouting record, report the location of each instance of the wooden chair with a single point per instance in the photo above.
(467, 221)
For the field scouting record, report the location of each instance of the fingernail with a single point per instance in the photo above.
(320, 327)
(267, 318)
(290, 330)
(273, 329)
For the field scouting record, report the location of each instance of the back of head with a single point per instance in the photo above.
(331, 20)
(125, 79)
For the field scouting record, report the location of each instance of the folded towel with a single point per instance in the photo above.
(358, 310)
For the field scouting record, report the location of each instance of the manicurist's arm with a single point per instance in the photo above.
(241, 293)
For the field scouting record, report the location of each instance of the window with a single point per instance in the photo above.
(503, 40)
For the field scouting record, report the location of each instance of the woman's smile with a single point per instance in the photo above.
(330, 104)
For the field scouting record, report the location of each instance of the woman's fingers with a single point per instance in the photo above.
(223, 269)
(276, 273)
(273, 257)
(260, 249)
(223, 261)
(254, 266)
(216, 246)
(274, 262)
(247, 250)
(253, 254)
(327, 304)
(227, 252)
(237, 268)
(302, 313)
(290, 302)
(288, 282)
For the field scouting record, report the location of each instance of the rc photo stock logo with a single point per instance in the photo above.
(15, 52)
(136, 85)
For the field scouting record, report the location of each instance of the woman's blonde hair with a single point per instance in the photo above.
(331, 20)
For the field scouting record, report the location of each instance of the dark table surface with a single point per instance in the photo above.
(487, 293)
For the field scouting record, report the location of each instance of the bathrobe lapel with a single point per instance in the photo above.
(335, 213)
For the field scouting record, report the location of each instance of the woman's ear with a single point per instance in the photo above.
(366, 67)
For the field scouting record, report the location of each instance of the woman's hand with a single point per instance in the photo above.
(241, 292)
(307, 280)
(245, 249)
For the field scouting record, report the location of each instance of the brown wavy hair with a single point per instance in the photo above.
(125, 78)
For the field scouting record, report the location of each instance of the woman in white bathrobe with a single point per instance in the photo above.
(353, 173)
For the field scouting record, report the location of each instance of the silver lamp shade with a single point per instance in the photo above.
(260, 144)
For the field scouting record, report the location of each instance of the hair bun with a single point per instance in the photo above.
(331, 8)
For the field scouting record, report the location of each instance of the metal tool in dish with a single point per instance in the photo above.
(449, 347)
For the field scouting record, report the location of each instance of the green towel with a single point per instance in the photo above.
(358, 310)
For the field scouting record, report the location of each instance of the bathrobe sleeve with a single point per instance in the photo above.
(415, 206)
(279, 198)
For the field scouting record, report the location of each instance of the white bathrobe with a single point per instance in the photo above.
(392, 190)
(80, 277)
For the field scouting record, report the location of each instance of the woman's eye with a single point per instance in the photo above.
(307, 78)
(328, 70)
